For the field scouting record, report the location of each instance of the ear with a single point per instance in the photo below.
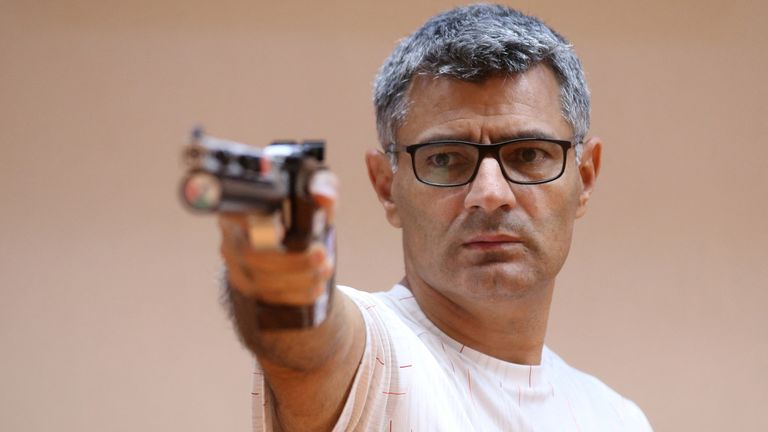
(380, 173)
(589, 168)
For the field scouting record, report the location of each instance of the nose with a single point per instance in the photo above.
(489, 190)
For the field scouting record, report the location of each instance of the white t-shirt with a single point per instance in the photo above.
(413, 377)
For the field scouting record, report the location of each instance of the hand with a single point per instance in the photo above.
(278, 277)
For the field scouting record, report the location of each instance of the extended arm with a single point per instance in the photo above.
(308, 371)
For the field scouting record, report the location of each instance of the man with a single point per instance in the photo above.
(483, 116)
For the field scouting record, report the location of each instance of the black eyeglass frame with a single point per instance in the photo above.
(483, 151)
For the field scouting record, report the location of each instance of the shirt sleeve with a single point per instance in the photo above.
(635, 417)
(366, 404)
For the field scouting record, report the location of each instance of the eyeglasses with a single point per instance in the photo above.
(455, 163)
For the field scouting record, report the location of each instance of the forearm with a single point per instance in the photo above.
(309, 371)
(299, 350)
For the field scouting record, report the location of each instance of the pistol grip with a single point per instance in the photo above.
(301, 230)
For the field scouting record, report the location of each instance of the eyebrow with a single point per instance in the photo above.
(525, 133)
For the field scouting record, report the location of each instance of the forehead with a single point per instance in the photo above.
(498, 108)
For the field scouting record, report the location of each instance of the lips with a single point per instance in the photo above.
(491, 241)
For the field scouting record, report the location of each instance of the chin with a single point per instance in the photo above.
(499, 281)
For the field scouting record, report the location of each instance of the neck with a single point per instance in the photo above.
(510, 329)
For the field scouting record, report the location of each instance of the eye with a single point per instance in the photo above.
(530, 155)
(446, 159)
(532, 161)
(440, 160)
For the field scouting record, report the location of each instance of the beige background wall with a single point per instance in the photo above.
(108, 309)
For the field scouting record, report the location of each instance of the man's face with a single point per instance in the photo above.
(489, 239)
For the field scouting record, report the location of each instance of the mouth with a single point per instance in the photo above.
(492, 241)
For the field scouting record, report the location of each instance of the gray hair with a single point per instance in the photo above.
(473, 43)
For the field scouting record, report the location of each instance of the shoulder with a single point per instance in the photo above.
(395, 365)
(360, 297)
(378, 303)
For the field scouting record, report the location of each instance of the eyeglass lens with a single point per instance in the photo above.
(453, 163)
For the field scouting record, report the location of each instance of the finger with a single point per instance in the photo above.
(239, 281)
(305, 296)
(274, 260)
(298, 288)
(275, 268)
(296, 298)
(286, 284)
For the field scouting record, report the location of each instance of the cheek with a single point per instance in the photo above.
(558, 200)
(427, 214)
(553, 215)
(423, 206)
